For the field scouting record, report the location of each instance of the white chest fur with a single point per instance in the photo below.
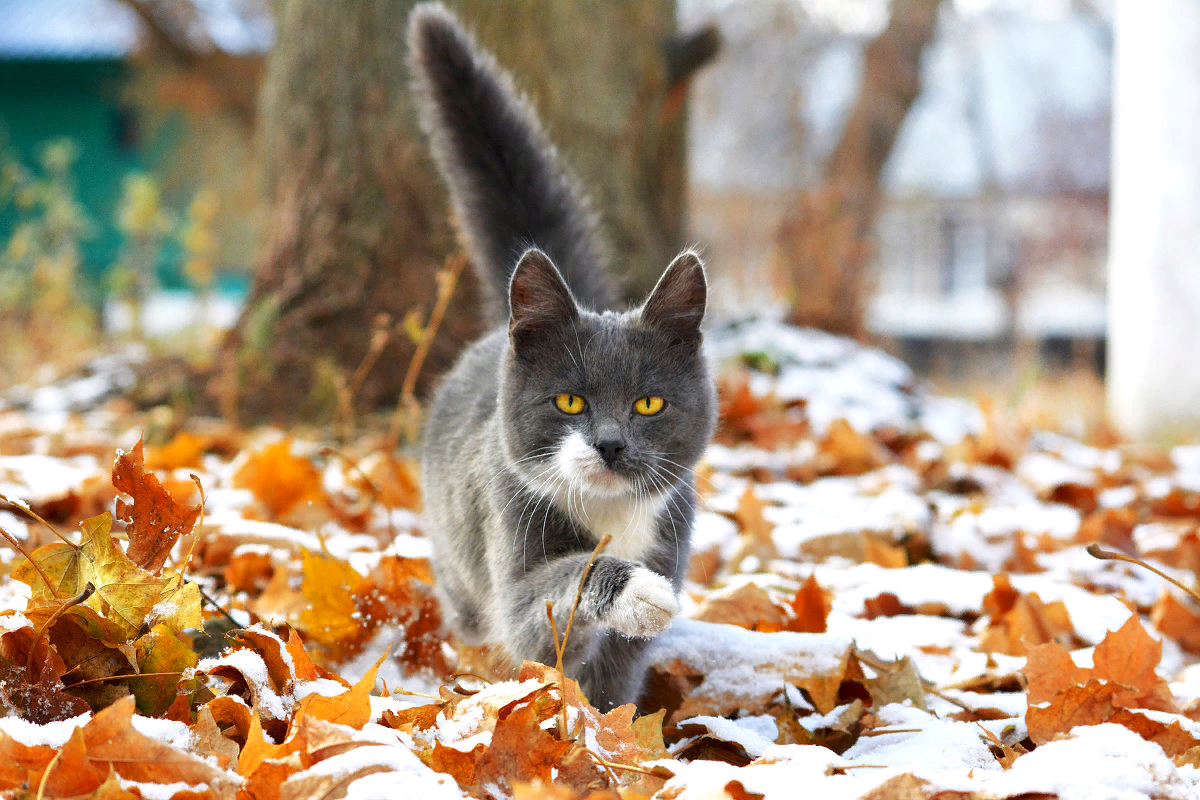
(601, 502)
(632, 525)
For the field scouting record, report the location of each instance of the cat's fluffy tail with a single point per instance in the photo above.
(508, 189)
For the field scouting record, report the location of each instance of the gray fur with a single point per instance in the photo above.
(518, 493)
(508, 190)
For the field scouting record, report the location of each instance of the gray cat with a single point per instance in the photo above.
(570, 421)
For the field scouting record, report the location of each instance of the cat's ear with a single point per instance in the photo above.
(539, 301)
(676, 306)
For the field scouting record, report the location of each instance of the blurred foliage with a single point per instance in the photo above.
(49, 311)
(145, 225)
(44, 316)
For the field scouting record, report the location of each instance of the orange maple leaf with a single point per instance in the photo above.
(155, 520)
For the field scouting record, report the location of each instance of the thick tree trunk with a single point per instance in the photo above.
(359, 223)
(822, 243)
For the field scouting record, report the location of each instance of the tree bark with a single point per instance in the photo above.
(822, 243)
(359, 225)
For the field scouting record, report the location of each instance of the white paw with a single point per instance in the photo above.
(645, 606)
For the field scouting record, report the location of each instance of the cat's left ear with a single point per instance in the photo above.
(676, 306)
(539, 301)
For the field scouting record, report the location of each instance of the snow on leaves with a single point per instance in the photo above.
(889, 597)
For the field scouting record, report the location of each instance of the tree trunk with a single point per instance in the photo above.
(1154, 264)
(359, 225)
(823, 241)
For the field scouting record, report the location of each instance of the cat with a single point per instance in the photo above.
(570, 421)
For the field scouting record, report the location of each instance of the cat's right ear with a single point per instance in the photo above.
(539, 301)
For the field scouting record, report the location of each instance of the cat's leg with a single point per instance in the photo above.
(615, 671)
(619, 594)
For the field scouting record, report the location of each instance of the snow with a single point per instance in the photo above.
(387, 773)
(52, 734)
(752, 738)
(167, 731)
(252, 667)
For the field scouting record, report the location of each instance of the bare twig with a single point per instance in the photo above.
(1096, 551)
(21, 504)
(560, 647)
(407, 414)
(17, 544)
(82, 597)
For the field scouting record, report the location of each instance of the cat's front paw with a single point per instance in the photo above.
(645, 606)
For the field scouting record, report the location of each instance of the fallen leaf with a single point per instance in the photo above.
(331, 616)
(155, 520)
(1178, 621)
(280, 480)
(810, 608)
(747, 606)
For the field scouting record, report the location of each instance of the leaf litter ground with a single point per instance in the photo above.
(889, 596)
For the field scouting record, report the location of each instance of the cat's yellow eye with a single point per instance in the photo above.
(570, 403)
(649, 406)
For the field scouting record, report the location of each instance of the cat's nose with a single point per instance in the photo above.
(609, 449)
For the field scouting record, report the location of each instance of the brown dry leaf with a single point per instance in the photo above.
(1177, 621)
(885, 605)
(392, 479)
(1172, 738)
(810, 608)
(756, 530)
(280, 480)
(895, 683)
(112, 741)
(18, 761)
(331, 616)
(905, 787)
(351, 708)
(522, 751)
(72, 773)
(1019, 621)
(182, 452)
(1089, 704)
(1128, 657)
(763, 421)
(884, 554)
(822, 688)
(250, 572)
(1049, 670)
(209, 739)
(850, 452)
(305, 669)
(748, 606)
(154, 520)
(231, 712)
(400, 590)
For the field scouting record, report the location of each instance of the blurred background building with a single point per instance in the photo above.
(990, 241)
(991, 238)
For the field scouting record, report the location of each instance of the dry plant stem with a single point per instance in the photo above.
(21, 504)
(1096, 551)
(104, 678)
(199, 526)
(82, 597)
(380, 336)
(371, 487)
(17, 544)
(611, 765)
(407, 410)
(204, 596)
(560, 647)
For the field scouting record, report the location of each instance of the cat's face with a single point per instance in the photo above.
(606, 405)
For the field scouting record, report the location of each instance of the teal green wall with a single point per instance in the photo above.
(44, 100)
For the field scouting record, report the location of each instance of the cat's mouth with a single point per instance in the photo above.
(601, 479)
